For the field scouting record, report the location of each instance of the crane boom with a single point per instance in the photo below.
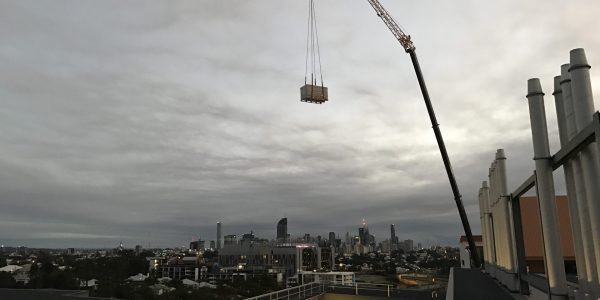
(409, 47)
(400, 35)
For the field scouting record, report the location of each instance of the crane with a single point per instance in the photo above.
(409, 47)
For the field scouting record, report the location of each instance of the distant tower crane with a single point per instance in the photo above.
(409, 47)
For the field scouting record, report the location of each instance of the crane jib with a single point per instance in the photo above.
(406, 42)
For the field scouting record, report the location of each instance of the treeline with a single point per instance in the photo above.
(46, 274)
(239, 289)
(112, 272)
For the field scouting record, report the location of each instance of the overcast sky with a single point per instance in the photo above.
(149, 121)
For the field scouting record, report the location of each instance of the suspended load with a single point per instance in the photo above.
(312, 92)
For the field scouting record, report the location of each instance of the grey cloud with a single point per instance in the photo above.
(148, 122)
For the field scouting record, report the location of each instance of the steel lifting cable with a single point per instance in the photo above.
(307, 41)
(318, 48)
(312, 38)
(313, 51)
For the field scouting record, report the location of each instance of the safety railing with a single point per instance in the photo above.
(300, 292)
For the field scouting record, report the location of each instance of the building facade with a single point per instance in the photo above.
(219, 235)
(282, 233)
(230, 239)
(265, 257)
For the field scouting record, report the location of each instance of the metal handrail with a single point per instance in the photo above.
(304, 290)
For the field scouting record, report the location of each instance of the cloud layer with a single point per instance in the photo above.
(148, 122)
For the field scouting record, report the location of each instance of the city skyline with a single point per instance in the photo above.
(208, 239)
(150, 123)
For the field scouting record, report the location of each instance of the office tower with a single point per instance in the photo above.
(363, 232)
(332, 238)
(212, 245)
(393, 238)
(307, 238)
(361, 236)
(230, 239)
(282, 230)
(219, 236)
(408, 245)
(194, 245)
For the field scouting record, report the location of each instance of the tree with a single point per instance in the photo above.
(176, 283)
(7, 280)
(397, 253)
(257, 285)
(210, 254)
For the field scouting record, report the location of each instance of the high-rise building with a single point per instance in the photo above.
(408, 245)
(365, 237)
(212, 245)
(230, 239)
(194, 245)
(198, 245)
(393, 238)
(332, 238)
(282, 232)
(219, 236)
(250, 238)
(362, 237)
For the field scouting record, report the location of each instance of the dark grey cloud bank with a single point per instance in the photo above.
(147, 122)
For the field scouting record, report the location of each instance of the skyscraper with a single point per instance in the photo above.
(230, 240)
(282, 230)
(363, 233)
(332, 239)
(219, 236)
(362, 236)
(408, 245)
(393, 238)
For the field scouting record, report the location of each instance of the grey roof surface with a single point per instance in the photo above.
(21, 294)
(474, 284)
